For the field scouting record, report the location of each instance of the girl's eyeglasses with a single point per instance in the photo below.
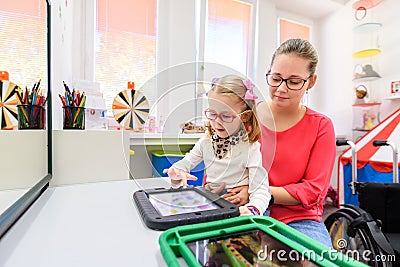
(224, 116)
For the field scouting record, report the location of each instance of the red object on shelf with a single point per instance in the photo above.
(4, 75)
(131, 85)
(366, 104)
(367, 4)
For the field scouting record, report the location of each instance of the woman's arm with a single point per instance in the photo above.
(240, 196)
(311, 189)
(281, 196)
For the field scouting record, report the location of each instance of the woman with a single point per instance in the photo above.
(298, 144)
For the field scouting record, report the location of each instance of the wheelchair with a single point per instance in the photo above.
(369, 233)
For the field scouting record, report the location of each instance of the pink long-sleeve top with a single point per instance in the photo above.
(300, 160)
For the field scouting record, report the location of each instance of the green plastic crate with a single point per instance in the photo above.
(191, 242)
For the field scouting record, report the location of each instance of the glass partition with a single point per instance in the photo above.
(25, 146)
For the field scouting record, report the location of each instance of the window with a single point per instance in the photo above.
(228, 34)
(290, 29)
(23, 41)
(125, 46)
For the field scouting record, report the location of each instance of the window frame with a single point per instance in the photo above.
(203, 19)
(88, 34)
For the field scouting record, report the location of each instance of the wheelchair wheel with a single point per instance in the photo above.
(356, 243)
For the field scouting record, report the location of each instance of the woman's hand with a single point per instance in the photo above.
(177, 176)
(238, 195)
(217, 190)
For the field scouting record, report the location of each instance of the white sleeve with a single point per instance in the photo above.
(192, 158)
(259, 192)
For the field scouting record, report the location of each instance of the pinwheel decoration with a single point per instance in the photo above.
(131, 109)
(8, 105)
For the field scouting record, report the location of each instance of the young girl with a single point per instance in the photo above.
(230, 149)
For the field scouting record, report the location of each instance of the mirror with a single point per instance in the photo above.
(25, 165)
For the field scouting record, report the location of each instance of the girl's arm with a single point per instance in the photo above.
(259, 193)
(192, 158)
(179, 171)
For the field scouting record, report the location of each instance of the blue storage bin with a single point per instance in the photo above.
(164, 159)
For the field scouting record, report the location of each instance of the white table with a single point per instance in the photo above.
(94, 224)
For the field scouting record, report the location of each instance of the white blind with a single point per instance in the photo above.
(23, 41)
(125, 46)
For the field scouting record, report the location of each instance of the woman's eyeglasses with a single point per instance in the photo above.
(224, 116)
(274, 80)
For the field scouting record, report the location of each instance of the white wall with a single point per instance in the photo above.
(387, 14)
(23, 158)
(90, 156)
(334, 94)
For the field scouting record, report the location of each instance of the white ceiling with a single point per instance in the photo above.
(310, 8)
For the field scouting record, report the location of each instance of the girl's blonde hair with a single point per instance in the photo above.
(232, 85)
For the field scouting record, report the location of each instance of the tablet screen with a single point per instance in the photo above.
(253, 248)
(180, 202)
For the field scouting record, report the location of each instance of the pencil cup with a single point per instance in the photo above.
(74, 118)
(31, 116)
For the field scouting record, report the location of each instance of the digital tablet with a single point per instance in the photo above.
(246, 241)
(163, 208)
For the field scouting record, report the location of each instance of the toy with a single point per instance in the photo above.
(190, 127)
(369, 120)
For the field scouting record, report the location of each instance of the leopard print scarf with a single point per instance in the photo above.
(221, 146)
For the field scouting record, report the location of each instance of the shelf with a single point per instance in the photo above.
(366, 79)
(366, 104)
(368, 27)
(393, 97)
(366, 53)
(164, 138)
